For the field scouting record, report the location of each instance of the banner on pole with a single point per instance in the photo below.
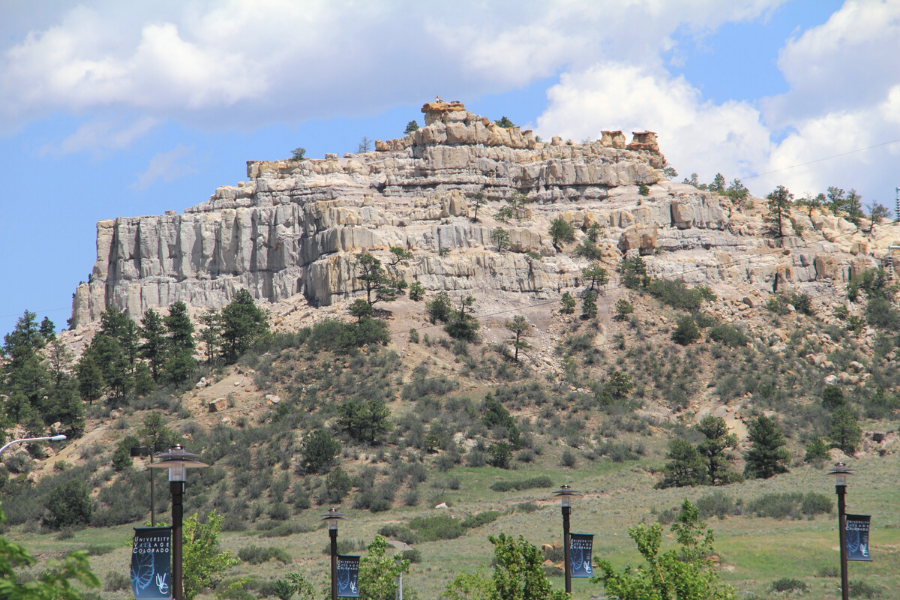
(151, 576)
(857, 536)
(580, 547)
(348, 576)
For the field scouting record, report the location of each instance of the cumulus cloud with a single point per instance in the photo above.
(727, 137)
(245, 63)
(166, 166)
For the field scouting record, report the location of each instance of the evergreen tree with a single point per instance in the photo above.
(561, 231)
(374, 279)
(211, 334)
(767, 455)
(589, 305)
(242, 324)
(69, 504)
(836, 200)
(416, 291)
(596, 274)
(154, 347)
(439, 309)
(519, 326)
(634, 272)
(816, 450)
(500, 237)
(411, 127)
(478, 201)
(832, 397)
(319, 451)
(568, 303)
(686, 331)
(180, 362)
(845, 432)
(462, 324)
(779, 207)
(90, 378)
(623, 309)
(685, 466)
(713, 450)
(853, 206)
(365, 421)
(60, 362)
(360, 308)
(156, 435)
(48, 329)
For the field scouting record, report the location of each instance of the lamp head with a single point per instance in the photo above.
(58, 438)
(566, 494)
(840, 472)
(332, 517)
(177, 460)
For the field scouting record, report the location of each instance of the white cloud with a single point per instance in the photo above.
(166, 166)
(694, 135)
(103, 134)
(252, 63)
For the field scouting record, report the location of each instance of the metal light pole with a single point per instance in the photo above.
(54, 438)
(840, 472)
(565, 494)
(177, 460)
(139, 451)
(332, 517)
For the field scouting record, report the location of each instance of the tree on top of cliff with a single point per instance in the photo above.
(505, 122)
(242, 324)
(411, 126)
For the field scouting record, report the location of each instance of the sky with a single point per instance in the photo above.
(111, 108)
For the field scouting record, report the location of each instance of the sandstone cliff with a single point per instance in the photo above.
(294, 226)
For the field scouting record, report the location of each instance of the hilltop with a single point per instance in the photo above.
(702, 310)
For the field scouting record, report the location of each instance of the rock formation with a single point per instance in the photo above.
(295, 225)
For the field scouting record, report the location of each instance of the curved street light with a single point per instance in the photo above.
(53, 438)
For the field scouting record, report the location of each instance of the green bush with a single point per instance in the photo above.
(717, 503)
(787, 584)
(116, 581)
(256, 555)
(439, 527)
(526, 484)
(399, 532)
(686, 331)
(790, 504)
(501, 453)
(68, 505)
(319, 451)
(413, 555)
(861, 589)
(677, 294)
(481, 519)
(816, 504)
(728, 335)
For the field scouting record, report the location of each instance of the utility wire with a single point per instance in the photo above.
(818, 160)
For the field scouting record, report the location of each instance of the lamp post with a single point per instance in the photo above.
(840, 472)
(565, 494)
(177, 460)
(53, 438)
(139, 451)
(332, 517)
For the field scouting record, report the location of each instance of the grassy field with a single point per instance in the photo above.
(753, 551)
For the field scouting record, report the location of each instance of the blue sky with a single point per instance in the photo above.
(120, 109)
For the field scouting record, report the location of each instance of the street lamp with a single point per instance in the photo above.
(54, 438)
(178, 461)
(566, 494)
(840, 472)
(332, 517)
(139, 451)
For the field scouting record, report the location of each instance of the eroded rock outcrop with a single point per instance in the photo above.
(295, 226)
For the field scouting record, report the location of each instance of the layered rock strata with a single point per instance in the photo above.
(295, 225)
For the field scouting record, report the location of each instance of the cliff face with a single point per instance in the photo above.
(294, 227)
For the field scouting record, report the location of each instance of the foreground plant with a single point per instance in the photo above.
(685, 573)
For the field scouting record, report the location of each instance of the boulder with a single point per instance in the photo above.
(635, 238)
(218, 405)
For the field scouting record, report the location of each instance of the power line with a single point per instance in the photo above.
(822, 159)
(38, 312)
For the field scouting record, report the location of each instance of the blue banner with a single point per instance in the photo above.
(857, 536)
(348, 576)
(151, 576)
(580, 547)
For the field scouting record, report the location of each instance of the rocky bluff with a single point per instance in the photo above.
(294, 226)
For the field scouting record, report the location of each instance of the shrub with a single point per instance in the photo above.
(815, 504)
(861, 589)
(501, 453)
(717, 503)
(816, 450)
(829, 572)
(69, 504)
(116, 581)
(728, 335)
(526, 484)
(643, 190)
(677, 294)
(337, 485)
(256, 555)
(319, 451)
(561, 231)
(686, 331)
(413, 555)
(439, 527)
(787, 584)
(481, 519)
(568, 458)
(399, 532)
(832, 397)
(527, 507)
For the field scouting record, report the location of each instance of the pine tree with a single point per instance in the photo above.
(90, 378)
(519, 326)
(180, 362)
(713, 450)
(568, 303)
(845, 432)
(589, 305)
(242, 324)
(374, 279)
(779, 209)
(596, 274)
(211, 334)
(685, 466)
(561, 231)
(154, 346)
(767, 456)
